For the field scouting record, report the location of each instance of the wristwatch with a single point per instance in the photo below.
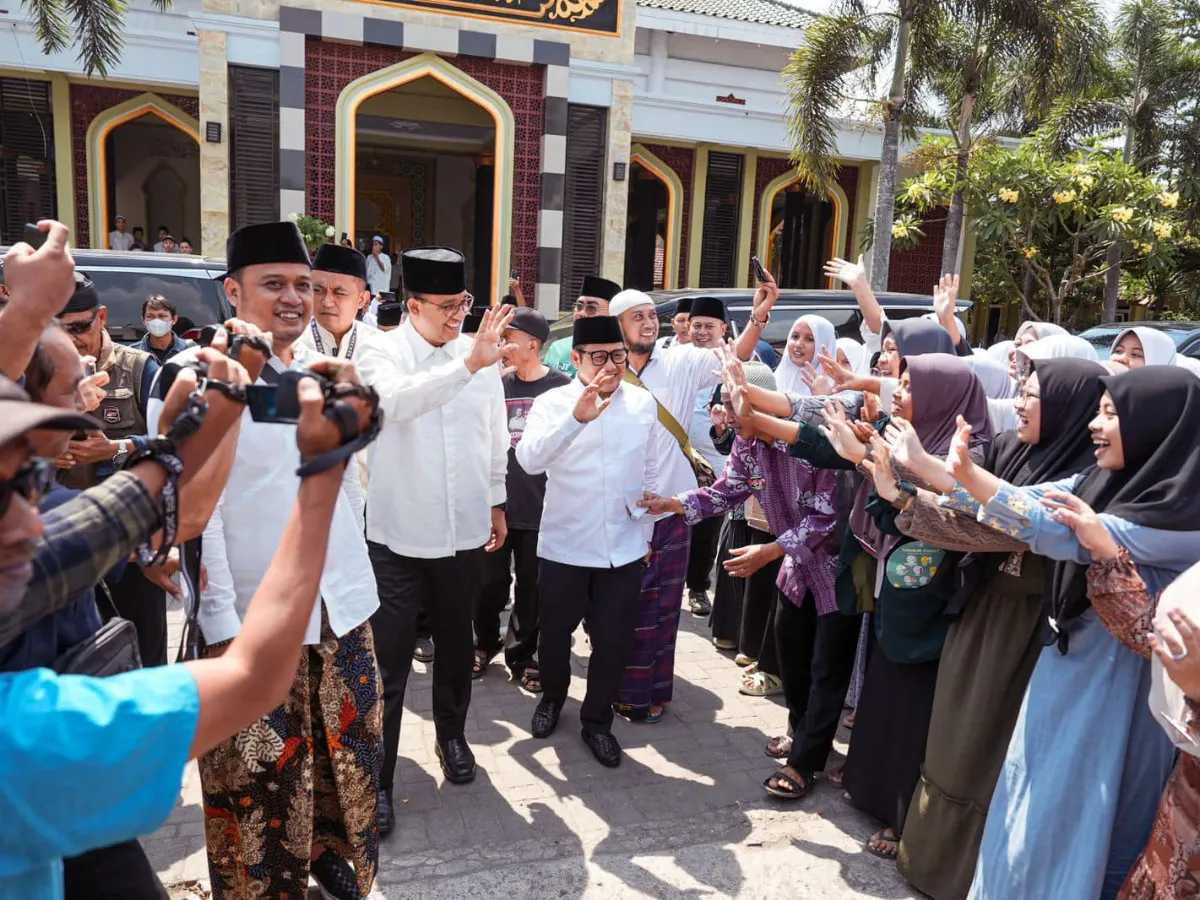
(906, 487)
(122, 453)
(760, 324)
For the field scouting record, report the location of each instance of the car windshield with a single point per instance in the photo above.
(198, 298)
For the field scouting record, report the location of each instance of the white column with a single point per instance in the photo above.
(658, 62)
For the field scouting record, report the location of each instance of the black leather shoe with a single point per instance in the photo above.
(387, 817)
(458, 762)
(604, 747)
(423, 652)
(545, 719)
(334, 877)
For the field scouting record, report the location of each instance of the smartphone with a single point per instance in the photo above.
(34, 236)
(276, 403)
(515, 275)
(759, 272)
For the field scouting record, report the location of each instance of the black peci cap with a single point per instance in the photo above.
(597, 330)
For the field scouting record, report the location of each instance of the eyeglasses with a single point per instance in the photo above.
(458, 306)
(601, 357)
(593, 307)
(81, 327)
(32, 481)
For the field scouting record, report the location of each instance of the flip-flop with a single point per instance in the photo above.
(883, 854)
(531, 675)
(481, 663)
(787, 787)
(653, 718)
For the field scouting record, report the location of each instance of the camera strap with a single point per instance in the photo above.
(345, 417)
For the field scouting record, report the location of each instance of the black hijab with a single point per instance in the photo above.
(918, 336)
(1158, 408)
(1070, 394)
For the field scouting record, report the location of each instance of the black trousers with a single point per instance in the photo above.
(816, 659)
(728, 593)
(606, 600)
(520, 643)
(119, 872)
(757, 638)
(145, 605)
(706, 535)
(448, 588)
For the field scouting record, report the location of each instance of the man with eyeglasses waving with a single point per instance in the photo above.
(594, 440)
(594, 296)
(435, 503)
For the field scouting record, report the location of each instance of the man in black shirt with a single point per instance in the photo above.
(526, 333)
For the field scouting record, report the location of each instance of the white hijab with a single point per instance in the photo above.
(856, 354)
(1186, 362)
(787, 375)
(993, 375)
(1002, 352)
(1055, 347)
(1158, 348)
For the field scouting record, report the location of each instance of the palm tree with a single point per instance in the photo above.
(94, 26)
(851, 47)
(980, 61)
(1148, 95)
(996, 67)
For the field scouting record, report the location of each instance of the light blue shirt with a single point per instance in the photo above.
(85, 763)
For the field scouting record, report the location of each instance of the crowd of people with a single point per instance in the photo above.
(990, 556)
(122, 238)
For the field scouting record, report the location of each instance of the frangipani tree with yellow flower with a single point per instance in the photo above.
(1053, 220)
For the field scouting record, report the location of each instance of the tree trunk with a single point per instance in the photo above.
(1112, 283)
(1031, 290)
(889, 162)
(954, 217)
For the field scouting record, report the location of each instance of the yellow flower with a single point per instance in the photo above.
(1169, 199)
(1064, 196)
(1008, 195)
(1122, 214)
(899, 230)
(1143, 247)
(1030, 252)
(1086, 182)
(918, 193)
(1162, 230)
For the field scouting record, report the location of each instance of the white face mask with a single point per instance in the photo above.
(158, 327)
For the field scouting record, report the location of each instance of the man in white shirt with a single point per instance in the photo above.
(674, 377)
(163, 233)
(119, 238)
(339, 291)
(260, 783)
(593, 439)
(436, 494)
(680, 325)
(379, 268)
(706, 328)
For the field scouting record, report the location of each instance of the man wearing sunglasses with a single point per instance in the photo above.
(594, 295)
(593, 439)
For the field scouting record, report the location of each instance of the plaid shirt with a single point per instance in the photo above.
(82, 540)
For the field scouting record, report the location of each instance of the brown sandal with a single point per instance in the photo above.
(787, 786)
(879, 844)
(779, 747)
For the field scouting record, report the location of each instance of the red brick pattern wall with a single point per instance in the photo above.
(680, 159)
(916, 271)
(87, 102)
(329, 67)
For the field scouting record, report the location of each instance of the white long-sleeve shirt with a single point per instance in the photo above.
(379, 273)
(441, 462)
(249, 520)
(595, 475)
(675, 377)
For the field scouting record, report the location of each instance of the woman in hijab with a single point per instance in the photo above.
(1002, 352)
(1031, 331)
(854, 356)
(912, 588)
(810, 337)
(998, 631)
(1061, 346)
(1140, 346)
(1084, 713)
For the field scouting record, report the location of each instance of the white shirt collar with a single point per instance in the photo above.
(422, 349)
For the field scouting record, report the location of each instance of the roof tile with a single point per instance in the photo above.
(763, 12)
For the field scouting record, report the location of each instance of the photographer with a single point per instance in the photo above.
(88, 762)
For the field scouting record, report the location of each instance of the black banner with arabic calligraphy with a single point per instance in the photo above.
(599, 16)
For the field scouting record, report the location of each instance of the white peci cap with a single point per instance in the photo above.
(627, 300)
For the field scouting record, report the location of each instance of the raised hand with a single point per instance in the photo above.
(870, 408)
(489, 340)
(904, 444)
(842, 377)
(958, 457)
(1084, 521)
(657, 505)
(741, 402)
(820, 384)
(765, 296)
(91, 389)
(40, 281)
(848, 273)
(945, 292)
(249, 357)
(718, 417)
(881, 470)
(590, 404)
(840, 436)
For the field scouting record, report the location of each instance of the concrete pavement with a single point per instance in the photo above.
(684, 815)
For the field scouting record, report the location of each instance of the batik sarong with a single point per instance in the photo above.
(650, 676)
(307, 773)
